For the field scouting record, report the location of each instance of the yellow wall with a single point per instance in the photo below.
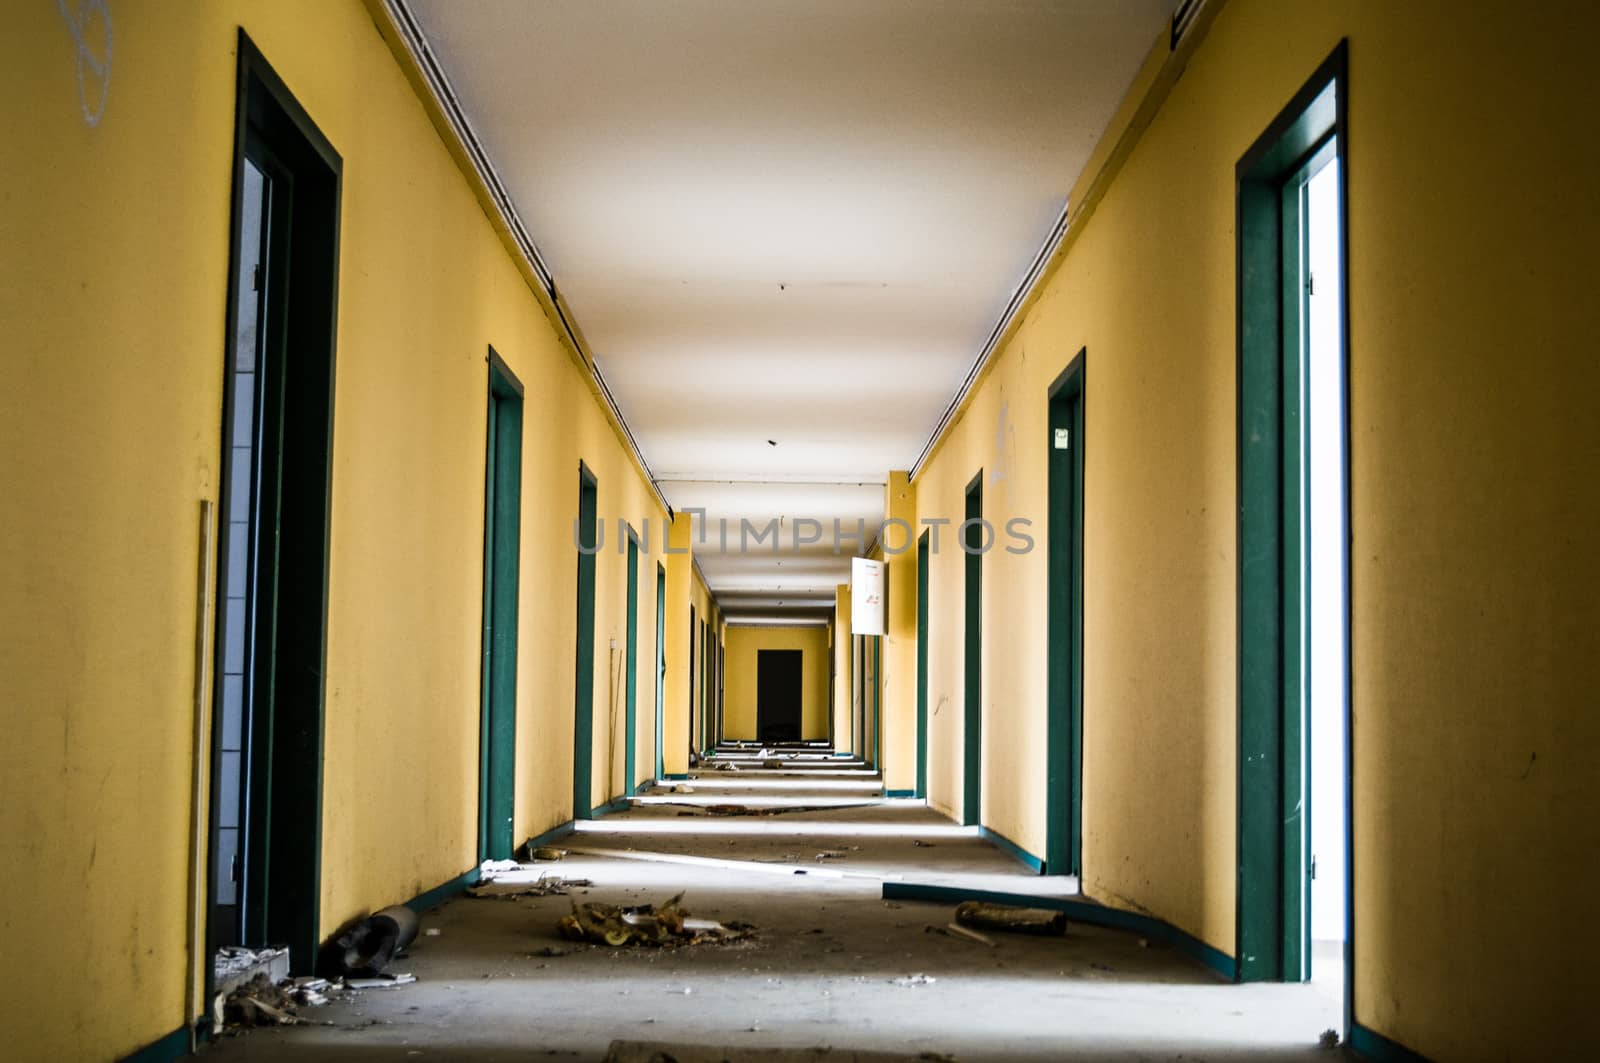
(843, 644)
(900, 645)
(1476, 521)
(706, 680)
(112, 291)
(610, 707)
(681, 590)
(743, 645)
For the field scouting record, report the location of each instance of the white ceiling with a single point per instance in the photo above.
(787, 220)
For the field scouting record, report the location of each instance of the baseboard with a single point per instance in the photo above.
(1369, 1044)
(899, 793)
(443, 892)
(675, 776)
(621, 804)
(1000, 841)
(174, 1045)
(554, 834)
(1082, 911)
(846, 755)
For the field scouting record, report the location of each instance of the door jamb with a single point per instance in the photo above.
(1064, 786)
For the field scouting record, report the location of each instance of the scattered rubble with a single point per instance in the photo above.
(1011, 919)
(309, 992)
(746, 810)
(546, 852)
(543, 886)
(233, 966)
(260, 1002)
(914, 980)
(388, 981)
(665, 926)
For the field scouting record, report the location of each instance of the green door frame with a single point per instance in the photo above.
(705, 686)
(1273, 918)
(1064, 748)
(922, 666)
(630, 756)
(502, 543)
(291, 557)
(972, 677)
(661, 666)
(583, 702)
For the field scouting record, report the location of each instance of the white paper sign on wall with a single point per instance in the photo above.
(866, 596)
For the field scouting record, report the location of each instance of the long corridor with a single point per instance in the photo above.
(802, 853)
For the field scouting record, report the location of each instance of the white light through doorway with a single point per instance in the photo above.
(1325, 387)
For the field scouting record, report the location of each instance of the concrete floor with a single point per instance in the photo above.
(820, 973)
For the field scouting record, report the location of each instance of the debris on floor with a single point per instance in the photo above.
(309, 992)
(671, 1052)
(233, 966)
(368, 946)
(914, 980)
(746, 810)
(259, 1003)
(546, 852)
(544, 886)
(387, 981)
(645, 924)
(1329, 1039)
(1010, 919)
(495, 867)
(956, 930)
(264, 1002)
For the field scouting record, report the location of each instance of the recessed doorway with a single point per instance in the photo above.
(275, 505)
(1294, 731)
(779, 677)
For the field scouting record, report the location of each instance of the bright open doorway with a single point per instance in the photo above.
(1326, 600)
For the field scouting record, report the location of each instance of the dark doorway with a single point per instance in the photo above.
(266, 757)
(583, 708)
(1293, 543)
(501, 556)
(973, 543)
(1064, 748)
(779, 674)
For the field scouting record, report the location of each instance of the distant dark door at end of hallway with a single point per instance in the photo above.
(778, 696)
